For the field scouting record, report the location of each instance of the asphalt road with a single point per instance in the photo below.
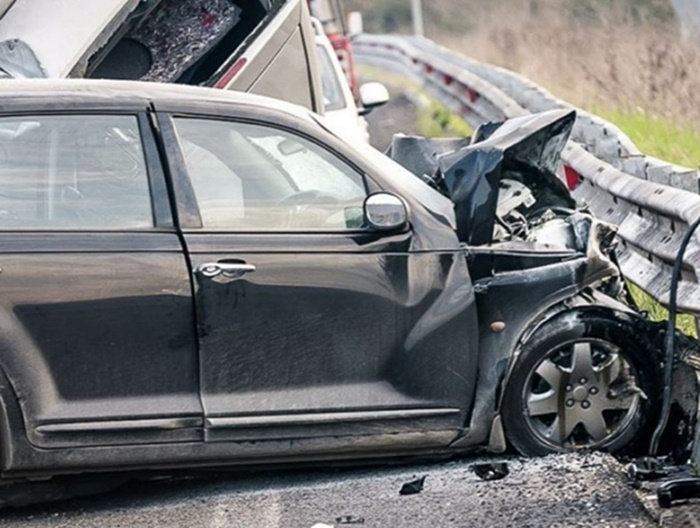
(399, 114)
(559, 491)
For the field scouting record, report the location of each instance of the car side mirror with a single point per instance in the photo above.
(372, 95)
(355, 24)
(385, 212)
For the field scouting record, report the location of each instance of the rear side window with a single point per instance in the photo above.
(73, 173)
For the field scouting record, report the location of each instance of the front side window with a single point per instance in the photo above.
(257, 178)
(74, 172)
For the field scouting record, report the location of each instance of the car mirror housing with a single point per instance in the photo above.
(385, 212)
(355, 24)
(372, 95)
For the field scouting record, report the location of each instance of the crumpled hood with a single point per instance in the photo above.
(525, 149)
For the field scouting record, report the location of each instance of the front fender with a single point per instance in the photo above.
(510, 304)
(677, 441)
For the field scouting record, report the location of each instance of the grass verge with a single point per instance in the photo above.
(657, 136)
(435, 120)
(656, 312)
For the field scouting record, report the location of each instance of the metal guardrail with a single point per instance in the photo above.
(650, 201)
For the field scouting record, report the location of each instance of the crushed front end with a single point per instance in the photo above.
(545, 271)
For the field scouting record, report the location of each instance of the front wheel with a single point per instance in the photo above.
(582, 382)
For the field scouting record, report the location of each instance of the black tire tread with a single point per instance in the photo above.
(621, 331)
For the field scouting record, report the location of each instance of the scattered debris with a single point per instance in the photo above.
(495, 471)
(413, 487)
(678, 490)
(647, 468)
(350, 519)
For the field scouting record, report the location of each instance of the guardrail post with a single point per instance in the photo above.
(417, 14)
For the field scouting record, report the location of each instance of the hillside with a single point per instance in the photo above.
(620, 58)
(458, 16)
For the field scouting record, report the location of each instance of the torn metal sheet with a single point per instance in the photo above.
(17, 60)
(525, 150)
(42, 26)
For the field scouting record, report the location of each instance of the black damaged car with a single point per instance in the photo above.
(192, 277)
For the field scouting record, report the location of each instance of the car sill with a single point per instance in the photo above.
(326, 418)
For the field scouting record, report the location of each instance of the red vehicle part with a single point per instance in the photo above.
(332, 17)
(343, 50)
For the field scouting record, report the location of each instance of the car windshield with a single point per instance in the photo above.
(333, 97)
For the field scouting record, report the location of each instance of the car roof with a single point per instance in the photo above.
(58, 92)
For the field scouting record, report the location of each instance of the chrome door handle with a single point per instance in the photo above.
(225, 269)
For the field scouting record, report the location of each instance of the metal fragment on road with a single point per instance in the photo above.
(494, 471)
(413, 487)
(350, 519)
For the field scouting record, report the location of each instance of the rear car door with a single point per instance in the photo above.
(96, 309)
(310, 324)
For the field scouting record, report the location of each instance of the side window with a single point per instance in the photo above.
(258, 178)
(79, 172)
(333, 97)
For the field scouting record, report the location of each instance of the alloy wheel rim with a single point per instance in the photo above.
(581, 395)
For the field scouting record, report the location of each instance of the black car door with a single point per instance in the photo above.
(96, 310)
(310, 324)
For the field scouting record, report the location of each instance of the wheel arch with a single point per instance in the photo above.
(574, 304)
(607, 319)
(12, 427)
(586, 304)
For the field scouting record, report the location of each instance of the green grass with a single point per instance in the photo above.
(656, 312)
(656, 136)
(436, 120)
